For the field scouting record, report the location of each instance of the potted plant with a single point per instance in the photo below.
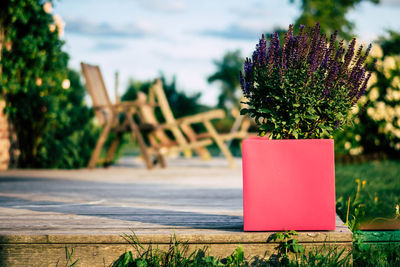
(298, 93)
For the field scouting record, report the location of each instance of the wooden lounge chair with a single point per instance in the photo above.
(108, 115)
(181, 128)
(238, 131)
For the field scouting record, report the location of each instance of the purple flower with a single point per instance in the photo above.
(260, 54)
(306, 63)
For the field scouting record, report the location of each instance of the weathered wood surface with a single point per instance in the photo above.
(42, 212)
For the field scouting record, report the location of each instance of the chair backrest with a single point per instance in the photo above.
(157, 91)
(147, 115)
(98, 92)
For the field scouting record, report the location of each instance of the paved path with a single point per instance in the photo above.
(199, 201)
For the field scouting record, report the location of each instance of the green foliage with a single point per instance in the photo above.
(72, 135)
(180, 103)
(331, 14)
(287, 243)
(176, 255)
(374, 193)
(376, 126)
(69, 257)
(33, 70)
(391, 43)
(305, 88)
(51, 122)
(236, 258)
(227, 74)
(323, 257)
(383, 256)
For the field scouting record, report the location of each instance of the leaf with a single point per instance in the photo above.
(244, 111)
(267, 127)
(265, 110)
(239, 254)
(141, 263)
(295, 134)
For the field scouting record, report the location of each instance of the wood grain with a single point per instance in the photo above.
(42, 212)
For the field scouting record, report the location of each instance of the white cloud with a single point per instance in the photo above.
(105, 29)
(172, 6)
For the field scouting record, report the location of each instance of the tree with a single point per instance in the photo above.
(181, 103)
(72, 135)
(228, 75)
(331, 15)
(390, 44)
(44, 100)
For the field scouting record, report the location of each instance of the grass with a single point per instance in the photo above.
(384, 256)
(378, 187)
(178, 254)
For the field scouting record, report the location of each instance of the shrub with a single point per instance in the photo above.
(376, 127)
(305, 88)
(44, 99)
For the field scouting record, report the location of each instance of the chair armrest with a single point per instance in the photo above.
(125, 104)
(200, 117)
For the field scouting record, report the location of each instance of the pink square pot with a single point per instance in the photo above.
(288, 184)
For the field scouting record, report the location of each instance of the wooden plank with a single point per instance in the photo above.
(113, 148)
(41, 212)
(100, 142)
(105, 254)
(136, 135)
(220, 142)
(169, 117)
(200, 117)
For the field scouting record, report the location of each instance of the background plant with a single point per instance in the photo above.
(226, 74)
(181, 103)
(305, 88)
(44, 99)
(376, 124)
(287, 244)
(374, 191)
(330, 14)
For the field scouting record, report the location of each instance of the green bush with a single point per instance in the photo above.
(44, 99)
(70, 140)
(180, 103)
(376, 123)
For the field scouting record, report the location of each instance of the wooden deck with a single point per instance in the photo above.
(43, 211)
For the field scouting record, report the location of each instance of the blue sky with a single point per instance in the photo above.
(141, 38)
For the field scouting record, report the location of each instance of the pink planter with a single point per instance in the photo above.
(288, 184)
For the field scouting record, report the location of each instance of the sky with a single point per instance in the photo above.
(142, 38)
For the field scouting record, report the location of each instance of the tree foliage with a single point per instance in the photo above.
(48, 117)
(181, 103)
(331, 14)
(391, 43)
(227, 75)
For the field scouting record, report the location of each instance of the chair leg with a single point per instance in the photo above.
(191, 135)
(113, 148)
(135, 132)
(100, 142)
(220, 143)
